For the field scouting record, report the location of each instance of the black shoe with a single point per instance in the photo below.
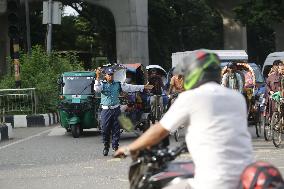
(114, 149)
(105, 151)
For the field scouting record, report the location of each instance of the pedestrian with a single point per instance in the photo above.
(110, 103)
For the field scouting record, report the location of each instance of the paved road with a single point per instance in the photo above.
(50, 158)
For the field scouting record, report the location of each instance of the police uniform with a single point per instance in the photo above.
(111, 108)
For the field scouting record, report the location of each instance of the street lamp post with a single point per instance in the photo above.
(49, 28)
(28, 30)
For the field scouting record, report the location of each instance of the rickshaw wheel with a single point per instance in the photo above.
(269, 129)
(76, 131)
(257, 120)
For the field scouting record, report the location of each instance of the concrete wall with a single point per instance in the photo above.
(4, 44)
(131, 22)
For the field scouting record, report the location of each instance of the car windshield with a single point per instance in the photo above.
(76, 85)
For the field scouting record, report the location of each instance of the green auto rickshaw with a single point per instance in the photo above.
(78, 106)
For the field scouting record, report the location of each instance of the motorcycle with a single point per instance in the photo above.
(153, 169)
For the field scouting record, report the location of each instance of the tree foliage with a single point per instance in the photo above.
(260, 17)
(41, 71)
(260, 12)
(182, 25)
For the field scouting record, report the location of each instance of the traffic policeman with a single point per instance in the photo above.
(110, 103)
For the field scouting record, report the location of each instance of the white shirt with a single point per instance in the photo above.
(217, 134)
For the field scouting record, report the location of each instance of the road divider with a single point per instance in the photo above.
(38, 120)
(6, 131)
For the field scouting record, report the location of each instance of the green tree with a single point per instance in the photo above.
(260, 17)
(41, 71)
(182, 25)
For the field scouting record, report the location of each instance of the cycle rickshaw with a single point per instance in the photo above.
(156, 109)
(133, 104)
(251, 93)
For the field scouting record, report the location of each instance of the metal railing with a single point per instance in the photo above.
(18, 101)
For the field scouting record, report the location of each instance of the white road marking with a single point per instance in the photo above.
(114, 160)
(25, 139)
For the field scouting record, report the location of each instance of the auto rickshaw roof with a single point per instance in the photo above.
(133, 67)
(79, 73)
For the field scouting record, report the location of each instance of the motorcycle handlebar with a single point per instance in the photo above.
(164, 154)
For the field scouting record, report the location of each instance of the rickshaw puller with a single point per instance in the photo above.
(110, 91)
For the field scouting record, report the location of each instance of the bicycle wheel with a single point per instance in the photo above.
(277, 135)
(153, 112)
(158, 113)
(268, 127)
(257, 122)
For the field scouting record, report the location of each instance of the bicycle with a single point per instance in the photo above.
(266, 122)
(277, 123)
(156, 110)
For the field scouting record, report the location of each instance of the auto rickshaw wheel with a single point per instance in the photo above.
(76, 130)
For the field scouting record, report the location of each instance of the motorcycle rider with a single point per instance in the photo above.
(217, 135)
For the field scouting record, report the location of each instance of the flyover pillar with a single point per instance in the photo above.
(131, 22)
(235, 35)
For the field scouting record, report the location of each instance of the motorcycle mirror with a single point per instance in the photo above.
(125, 123)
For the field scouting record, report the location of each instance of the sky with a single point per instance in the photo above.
(69, 11)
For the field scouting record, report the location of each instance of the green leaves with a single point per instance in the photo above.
(260, 12)
(41, 71)
(182, 25)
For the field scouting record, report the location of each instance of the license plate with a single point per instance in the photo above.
(76, 100)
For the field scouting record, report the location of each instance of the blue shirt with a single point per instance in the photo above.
(110, 93)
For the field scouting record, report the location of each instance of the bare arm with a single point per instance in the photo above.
(152, 136)
(131, 88)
